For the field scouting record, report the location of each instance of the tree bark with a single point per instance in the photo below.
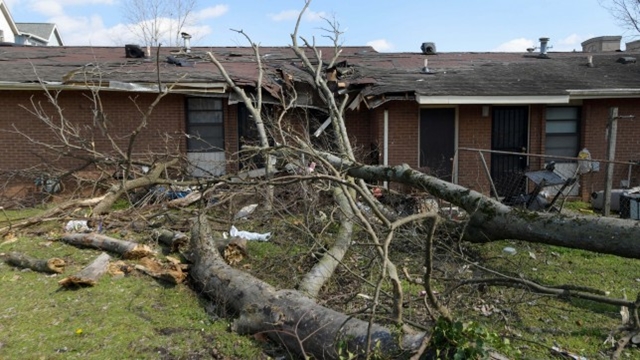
(89, 275)
(53, 265)
(286, 316)
(321, 272)
(491, 220)
(128, 249)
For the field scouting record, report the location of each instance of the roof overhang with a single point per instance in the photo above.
(496, 100)
(183, 88)
(603, 93)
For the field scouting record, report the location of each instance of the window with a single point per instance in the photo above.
(563, 131)
(205, 125)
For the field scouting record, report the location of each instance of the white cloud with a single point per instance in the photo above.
(515, 45)
(47, 8)
(288, 15)
(381, 45)
(569, 43)
(211, 12)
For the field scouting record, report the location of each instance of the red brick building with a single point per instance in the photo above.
(429, 110)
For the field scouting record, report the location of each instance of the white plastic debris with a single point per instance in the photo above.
(77, 226)
(509, 250)
(245, 211)
(249, 235)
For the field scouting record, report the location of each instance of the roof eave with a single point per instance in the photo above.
(580, 94)
(498, 99)
(183, 88)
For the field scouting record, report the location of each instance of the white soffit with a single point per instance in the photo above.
(483, 100)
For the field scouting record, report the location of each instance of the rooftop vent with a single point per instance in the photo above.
(428, 48)
(544, 46)
(133, 51)
(187, 41)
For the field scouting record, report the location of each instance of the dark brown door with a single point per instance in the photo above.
(509, 132)
(437, 141)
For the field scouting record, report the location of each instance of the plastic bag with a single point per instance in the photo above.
(249, 235)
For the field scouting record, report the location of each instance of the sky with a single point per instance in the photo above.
(388, 26)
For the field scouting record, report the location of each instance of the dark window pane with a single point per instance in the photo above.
(203, 117)
(205, 124)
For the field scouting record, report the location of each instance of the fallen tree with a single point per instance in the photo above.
(286, 316)
(491, 220)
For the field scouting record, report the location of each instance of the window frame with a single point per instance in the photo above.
(216, 110)
(577, 119)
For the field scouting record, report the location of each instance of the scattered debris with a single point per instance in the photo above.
(128, 249)
(78, 226)
(245, 211)
(509, 250)
(249, 235)
(173, 239)
(89, 275)
(557, 351)
(170, 272)
(53, 265)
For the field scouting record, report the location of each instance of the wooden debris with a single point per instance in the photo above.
(185, 201)
(170, 272)
(173, 239)
(128, 249)
(53, 265)
(89, 275)
(119, 268)
(233, 250)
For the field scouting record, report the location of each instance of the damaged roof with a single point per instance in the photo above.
(373, 75)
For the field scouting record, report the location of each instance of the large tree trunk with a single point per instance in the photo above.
(286, 316)
(491, 220)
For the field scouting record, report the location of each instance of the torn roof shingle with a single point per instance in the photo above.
(460, 74)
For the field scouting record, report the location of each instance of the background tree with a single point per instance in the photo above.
(159, 21)
(626, 12)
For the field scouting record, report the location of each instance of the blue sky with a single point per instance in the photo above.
(399, 26)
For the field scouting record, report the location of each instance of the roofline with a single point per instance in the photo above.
(603, 93)
(510, 100)
(195, 88)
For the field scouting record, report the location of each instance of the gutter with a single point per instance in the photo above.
(603, 93)
(195, 88)
(494, 100)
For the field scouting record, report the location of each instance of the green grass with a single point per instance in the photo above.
(131, 317)
(537, 322)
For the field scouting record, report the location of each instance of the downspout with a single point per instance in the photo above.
(385, 142)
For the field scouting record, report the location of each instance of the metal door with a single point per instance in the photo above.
(509, 132)
(437, 141)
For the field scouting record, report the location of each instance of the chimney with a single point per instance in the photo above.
(187, 41)
(602, 44)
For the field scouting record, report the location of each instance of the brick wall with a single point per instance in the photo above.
(163, 132)
(474, 131)
(403, 132)
(595, 115)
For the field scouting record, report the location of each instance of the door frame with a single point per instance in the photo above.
(527, 137)
(454, 163)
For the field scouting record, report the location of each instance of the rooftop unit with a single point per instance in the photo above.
(602, 44)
